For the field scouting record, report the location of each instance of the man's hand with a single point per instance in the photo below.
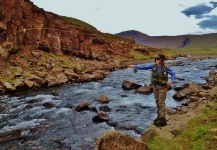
(169, 83)
(131, 66)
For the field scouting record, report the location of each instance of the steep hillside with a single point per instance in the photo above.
(39, 48)
(183, 41)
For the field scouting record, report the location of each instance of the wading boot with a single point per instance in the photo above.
(160, 122)
(155, 120)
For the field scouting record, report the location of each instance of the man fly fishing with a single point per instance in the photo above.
(160, 82)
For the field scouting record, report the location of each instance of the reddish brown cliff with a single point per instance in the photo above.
(26, 25)
(39, 43)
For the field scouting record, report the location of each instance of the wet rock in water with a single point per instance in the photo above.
(27, 107)
(105, 108)
(12, 135)
(101, 117)
(48, 105)
(144, 106)
(183, 93)
(128, 85)
(54, 93)
(63, 145)
(83, 106)
(123, 95)
(34, 101)
(112, 123)
(116, 140)
(93, 109)
(103, 99)
(3, 107)
(139, 130)
(4, 116)
(120, 126)
(131, 127)
(180, 95)
(144, 89)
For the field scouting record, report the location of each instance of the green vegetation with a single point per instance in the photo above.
(79, 23)
(203, 41)
(172, 53)
(139, 56)
(196, 136)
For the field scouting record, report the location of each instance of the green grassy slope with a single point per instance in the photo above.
(79, 23)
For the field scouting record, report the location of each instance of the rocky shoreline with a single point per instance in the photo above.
(198, 97)
(40, 69)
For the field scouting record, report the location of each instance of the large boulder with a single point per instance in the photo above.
(101, 117)
(115, 140)
(183, 93)
(144, 89)
(83, 106)
(103, 98)
(154, 131)
(128, 85)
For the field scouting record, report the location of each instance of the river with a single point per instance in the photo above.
(59, 125)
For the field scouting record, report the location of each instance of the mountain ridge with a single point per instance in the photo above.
(173, 42)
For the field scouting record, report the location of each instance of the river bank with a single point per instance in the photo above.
(48, 119)
(199, 105)
(16, 78)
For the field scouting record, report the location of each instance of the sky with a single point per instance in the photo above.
(151, 17)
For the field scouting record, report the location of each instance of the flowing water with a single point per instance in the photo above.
(59, 125)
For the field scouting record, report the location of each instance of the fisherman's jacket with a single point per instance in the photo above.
(159, 78)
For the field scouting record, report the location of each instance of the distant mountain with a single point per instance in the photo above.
(207, 41)
(138, 36)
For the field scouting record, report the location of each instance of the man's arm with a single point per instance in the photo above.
(144, 67)
(173, 76)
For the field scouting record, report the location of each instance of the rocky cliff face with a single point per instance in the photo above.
(39, 48)
(27, 26)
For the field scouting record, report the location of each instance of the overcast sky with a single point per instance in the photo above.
(152, 17)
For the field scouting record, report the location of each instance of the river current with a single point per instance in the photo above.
(62, 126)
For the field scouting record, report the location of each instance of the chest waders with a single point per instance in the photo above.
(159, 78)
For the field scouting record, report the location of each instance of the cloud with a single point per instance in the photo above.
(198, 11)
(214, 4)
(209, 23)
(202, 11)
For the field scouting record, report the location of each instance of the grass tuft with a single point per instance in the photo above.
(195, 137)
